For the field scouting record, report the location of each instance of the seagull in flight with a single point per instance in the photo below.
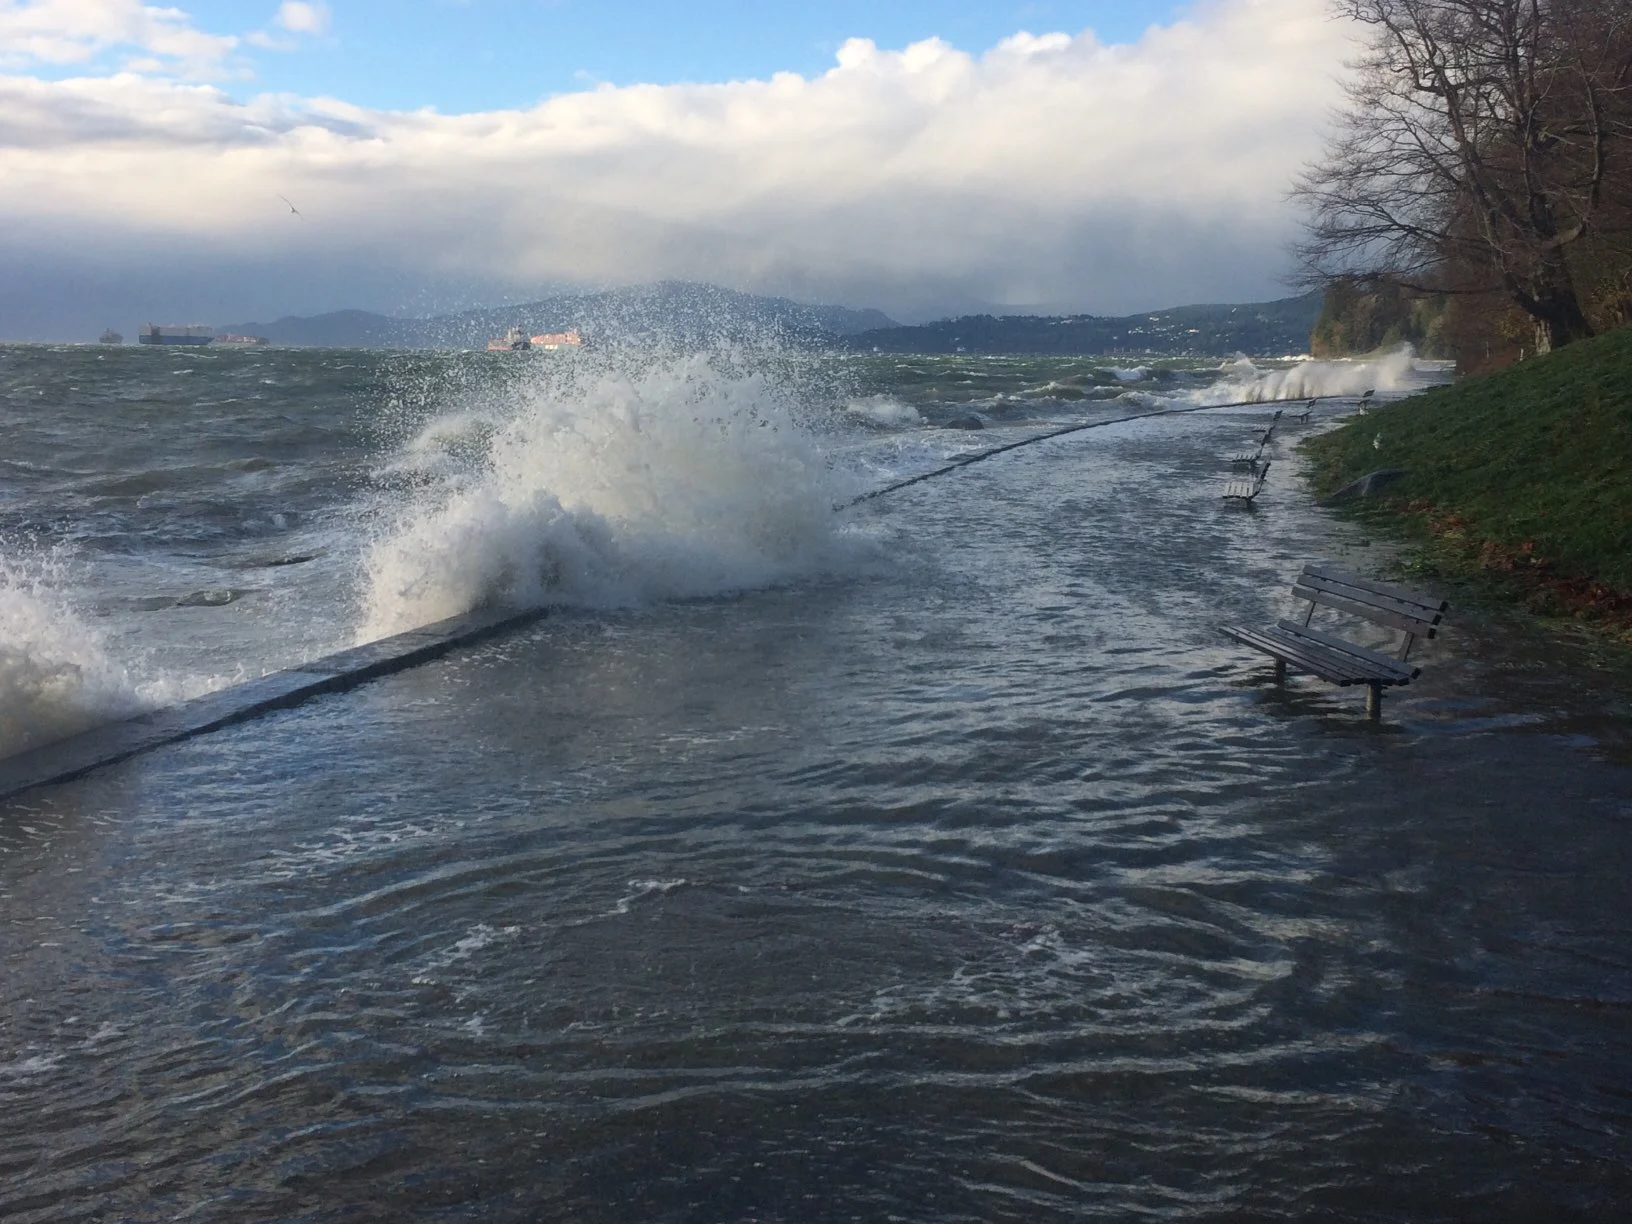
(292, 208)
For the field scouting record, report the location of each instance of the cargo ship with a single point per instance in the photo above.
(110, 337)
(241, 340)
(171, 333)
(569, 339)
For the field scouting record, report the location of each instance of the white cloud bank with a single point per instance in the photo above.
(1049, 171)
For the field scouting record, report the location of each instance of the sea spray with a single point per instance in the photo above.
(608, 481)
(56, 677)
(1242, 380)
(882, 412)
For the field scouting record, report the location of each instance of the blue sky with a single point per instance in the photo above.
(469, 55)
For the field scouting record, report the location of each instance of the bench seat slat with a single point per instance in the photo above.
(1373, 612)
(1363, 654)
(1246, 490)
(1300, 657)
(1306, 654)
(1409, 602)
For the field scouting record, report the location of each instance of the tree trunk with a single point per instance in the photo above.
(1561, 319)
(1550, 299)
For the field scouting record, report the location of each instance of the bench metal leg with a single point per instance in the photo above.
(1374, 702)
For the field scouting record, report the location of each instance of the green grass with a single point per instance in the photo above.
(1526, 474)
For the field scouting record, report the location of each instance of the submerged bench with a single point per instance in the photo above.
(1243, 491)
(1330, 657)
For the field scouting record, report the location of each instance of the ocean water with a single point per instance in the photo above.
(932, 859)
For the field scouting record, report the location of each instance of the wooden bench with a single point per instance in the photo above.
(1244, 491)
(1253, 457)
(1330, 657)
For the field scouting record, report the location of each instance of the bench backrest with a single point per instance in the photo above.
(1375, 601)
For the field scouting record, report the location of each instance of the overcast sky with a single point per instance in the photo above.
(924, 158)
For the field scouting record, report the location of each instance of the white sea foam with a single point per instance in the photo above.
(56, 678)
(1392, 372)
(611, 482)
(33, 1066)
(646, 888)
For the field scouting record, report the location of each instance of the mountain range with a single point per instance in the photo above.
(1277, 328)
(674, 312)
(694, 315)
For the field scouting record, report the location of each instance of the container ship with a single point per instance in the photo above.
(171, 333)
(517, 341)
(569, 339)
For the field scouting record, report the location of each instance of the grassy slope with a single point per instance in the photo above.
(1526, 473)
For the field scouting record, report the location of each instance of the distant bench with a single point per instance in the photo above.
(1330, 657)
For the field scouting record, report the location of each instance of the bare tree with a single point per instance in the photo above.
(1479, 136)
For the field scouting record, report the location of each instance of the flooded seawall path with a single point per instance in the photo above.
(975, 877)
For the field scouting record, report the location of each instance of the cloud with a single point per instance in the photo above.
(1049, 171)
(81, 31)
(299, 17)
(295, 17)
